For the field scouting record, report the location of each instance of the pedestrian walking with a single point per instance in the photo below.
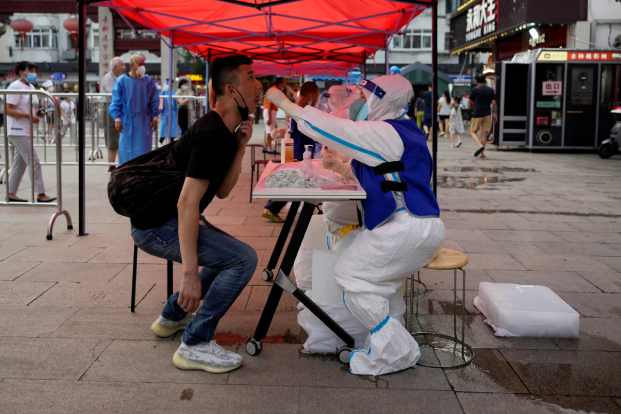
(427, 112)
(117, 68)
(444, 111)
(169, 127)
(184, 116)
(20, 119)
(483, 98)
(456, 123)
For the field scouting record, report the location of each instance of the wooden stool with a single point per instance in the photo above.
(461, 354)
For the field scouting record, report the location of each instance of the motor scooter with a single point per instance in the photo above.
(610, 147)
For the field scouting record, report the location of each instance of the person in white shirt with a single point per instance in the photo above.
(67, 116)
(444, 111)
(20, 117)
(117, 68)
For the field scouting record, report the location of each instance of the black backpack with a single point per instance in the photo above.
(145, 183)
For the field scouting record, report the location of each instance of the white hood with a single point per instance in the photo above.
(393, 103)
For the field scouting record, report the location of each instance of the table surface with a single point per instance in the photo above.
(303, 194)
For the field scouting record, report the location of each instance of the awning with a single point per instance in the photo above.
(421, 74)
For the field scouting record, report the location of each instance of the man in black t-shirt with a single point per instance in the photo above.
(210, 156)
(483, 99)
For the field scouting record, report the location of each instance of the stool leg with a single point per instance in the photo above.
(463, 310)
(169, 278)
(407, 302)
(413, 292)
(132, 304)
(455, 303)
(251, 183)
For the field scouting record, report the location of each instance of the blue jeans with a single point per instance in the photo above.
(227, 266)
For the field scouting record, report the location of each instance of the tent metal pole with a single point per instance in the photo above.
(207, 80)
(171, 73)
(82, 16)
(434, 93)
(364, 65)
(387, 57)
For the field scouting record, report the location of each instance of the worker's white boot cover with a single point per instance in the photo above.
(389, 346)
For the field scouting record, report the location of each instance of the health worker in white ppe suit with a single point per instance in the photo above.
(402, 228)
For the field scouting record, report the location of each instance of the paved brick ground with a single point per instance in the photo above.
(68, 343)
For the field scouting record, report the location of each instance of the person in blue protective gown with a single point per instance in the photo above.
(134, 108)
(169, 127)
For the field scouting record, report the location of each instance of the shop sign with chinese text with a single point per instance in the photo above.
(481, 20)
(552, 88)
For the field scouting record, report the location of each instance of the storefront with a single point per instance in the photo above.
(558, 99)
(505, 28)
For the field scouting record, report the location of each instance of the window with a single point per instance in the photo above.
(451, 6)
(412, 39)
(41, 38)
(397, 41)
(95, 37)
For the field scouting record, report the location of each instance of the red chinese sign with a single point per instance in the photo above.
(594, 56)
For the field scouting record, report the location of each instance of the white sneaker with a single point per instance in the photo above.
(164, 328)
(209, 357)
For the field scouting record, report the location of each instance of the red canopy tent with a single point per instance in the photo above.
(284, 32)
(295, 35)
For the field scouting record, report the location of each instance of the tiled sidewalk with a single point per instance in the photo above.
(68, 343)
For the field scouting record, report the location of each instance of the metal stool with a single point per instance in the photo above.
(169, 279)
(451, 351)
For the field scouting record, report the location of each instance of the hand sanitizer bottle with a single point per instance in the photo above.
(307, 159)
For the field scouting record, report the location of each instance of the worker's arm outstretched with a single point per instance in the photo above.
(370, 142)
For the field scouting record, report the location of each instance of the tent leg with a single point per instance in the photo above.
(387, 57)
(434, 86)
(82, 16)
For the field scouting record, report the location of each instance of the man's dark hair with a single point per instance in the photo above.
(20, 67)
(32, 66)
(279, 81)
(224, 70)
(480, 79)
(183, 81)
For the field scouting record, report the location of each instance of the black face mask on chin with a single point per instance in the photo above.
(243, 110)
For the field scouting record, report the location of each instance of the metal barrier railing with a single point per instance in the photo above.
(46, 98)
(98, 123)
(49, 134)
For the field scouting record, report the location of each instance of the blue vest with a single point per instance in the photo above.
(415, 176)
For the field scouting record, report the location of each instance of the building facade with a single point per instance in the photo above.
(504, 28)
(413, 44)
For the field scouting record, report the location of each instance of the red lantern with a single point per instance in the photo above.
(22, 26)
(71, 25)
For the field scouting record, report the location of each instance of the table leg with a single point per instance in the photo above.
(268, 272)
(282, 282)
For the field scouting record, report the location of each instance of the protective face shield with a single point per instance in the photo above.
(388, 97)
(141, 71)
(362, 114)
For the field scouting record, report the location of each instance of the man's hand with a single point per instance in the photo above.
(35, 119)
(154, 122)
(118, 125)
(190, 292)
(244, 132)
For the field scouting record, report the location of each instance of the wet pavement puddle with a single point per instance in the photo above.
(484, 177)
